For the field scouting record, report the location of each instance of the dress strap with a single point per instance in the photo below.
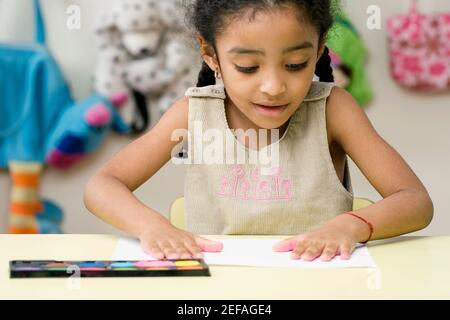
(319, 90)
(214, 91)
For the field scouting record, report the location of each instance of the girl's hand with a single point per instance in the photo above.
(338, 237)
(164, 241)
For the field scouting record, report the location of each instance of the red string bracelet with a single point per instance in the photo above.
(352, 213)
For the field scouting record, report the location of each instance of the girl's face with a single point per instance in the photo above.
(267, 65)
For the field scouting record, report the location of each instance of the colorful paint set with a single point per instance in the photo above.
(148, 268)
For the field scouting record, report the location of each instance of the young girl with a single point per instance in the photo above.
(266, 52)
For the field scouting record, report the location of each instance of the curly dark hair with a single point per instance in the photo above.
(208, 19)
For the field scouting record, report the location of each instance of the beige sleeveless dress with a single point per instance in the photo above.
(300, 192)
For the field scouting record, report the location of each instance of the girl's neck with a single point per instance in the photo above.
(237, 120)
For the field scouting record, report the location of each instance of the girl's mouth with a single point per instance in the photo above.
(271, 111)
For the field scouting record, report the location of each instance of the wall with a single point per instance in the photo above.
(415, 124)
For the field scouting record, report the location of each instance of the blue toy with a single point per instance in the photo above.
(82, 128)
(41, 124)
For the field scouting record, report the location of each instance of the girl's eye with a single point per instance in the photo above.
(297, 67)
(290, 67)
(246, 69)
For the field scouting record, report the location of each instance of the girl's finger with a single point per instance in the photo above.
(153, 250)
(168, 249)
(286, 245)
(329, 252)
(298, 251)
(193, 248)
(207, 245)
(346, 251)
(312, 252)
(181, 249)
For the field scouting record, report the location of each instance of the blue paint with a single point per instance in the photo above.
(122, 264)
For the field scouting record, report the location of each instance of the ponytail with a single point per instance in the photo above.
(323, 67)
(206, 76)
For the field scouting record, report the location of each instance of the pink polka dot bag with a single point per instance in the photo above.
(419, 46)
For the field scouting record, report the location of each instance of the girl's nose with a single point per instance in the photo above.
(273, 85)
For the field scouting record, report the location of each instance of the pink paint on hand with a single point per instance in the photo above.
(211, 246)
(285, 245)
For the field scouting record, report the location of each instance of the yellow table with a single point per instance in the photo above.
(408, 268)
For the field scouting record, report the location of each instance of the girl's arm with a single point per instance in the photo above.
(406, 205)
(109, 193)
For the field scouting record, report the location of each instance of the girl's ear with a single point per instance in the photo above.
(208, 53)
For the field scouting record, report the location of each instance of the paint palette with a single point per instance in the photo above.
(146, 268)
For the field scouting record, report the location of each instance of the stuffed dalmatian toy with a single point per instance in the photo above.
(142, 49)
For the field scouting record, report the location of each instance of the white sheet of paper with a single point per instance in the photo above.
(251, 252)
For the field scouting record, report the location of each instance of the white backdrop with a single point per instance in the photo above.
(416, 125)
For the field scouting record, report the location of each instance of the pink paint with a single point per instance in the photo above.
(285, 245)
(155, 263)
(58, 265)
(211, 246)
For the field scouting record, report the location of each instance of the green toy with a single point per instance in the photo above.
(348, 54)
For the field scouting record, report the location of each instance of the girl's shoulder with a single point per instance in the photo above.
(176, 117)
(345, 118)
(341, 106)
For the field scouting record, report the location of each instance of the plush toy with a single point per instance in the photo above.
(348, 55)
(42, 125)
(78, 132)
(341, 72)
(82, 128)
(141, 49)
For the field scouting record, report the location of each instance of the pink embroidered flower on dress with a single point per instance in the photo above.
(255, 186)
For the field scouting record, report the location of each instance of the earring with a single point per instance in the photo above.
(217, 74)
